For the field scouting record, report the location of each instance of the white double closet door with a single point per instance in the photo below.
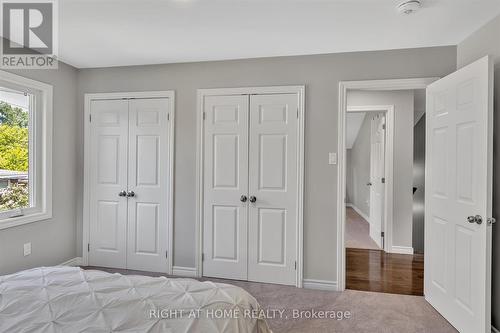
(128, 184)
(250, 187)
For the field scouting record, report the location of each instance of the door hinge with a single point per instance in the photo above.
(491, 220)
(90, 117)
(297, 113)
(168, 116)
(166, 254)
(203, 257)
(382, 234)
(203, 115)
(383, 126)
(88, 247)
(383, 180)
(295, 265)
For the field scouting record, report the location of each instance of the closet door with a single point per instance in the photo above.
(273, 178)
(108, 177)
(148, 176)
(225, 186)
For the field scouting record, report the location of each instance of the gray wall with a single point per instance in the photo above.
(403, 155)
(419, 183)
(349, 195)
(321, 75)
(360, 167)
(483, 42)
(53, 241)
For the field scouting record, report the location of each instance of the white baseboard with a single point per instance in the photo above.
(402, 249)
(78, 261)
(494, 330)
(184, 271)
(320, 284)
(363, 215)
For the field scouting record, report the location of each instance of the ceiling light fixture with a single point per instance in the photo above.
(409, 6)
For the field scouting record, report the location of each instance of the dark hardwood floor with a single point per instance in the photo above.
(376, 270)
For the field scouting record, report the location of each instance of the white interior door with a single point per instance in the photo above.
(458, 185)
(377, 172)
(108, 177)
(225, 182)
(148, 177)
(273, 183)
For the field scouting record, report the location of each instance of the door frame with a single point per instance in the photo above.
(344, 86)
(89, 97)
(388, 169)
(201, 94)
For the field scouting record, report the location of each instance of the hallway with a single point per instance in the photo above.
(358, 232)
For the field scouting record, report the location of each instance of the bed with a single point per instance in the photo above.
(69, 299)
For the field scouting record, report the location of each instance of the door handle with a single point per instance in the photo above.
(369, 184)
(243, 198)
(130, 194)
(122, 193)
(475, 219)
(253, 199)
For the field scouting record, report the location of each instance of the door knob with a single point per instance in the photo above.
(243, 198)
(368, 184)
(130, 194)
(122, 193)
(253, 199)
(475, 219)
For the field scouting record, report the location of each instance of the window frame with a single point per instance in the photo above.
(40, 152)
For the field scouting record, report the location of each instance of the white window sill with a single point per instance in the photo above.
(20, 220)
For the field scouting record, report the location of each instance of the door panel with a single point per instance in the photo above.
(458, 185)
(148, 177)
(225, 233)
(271, 236)
(225, 161)
(108, 176)
(273, 178)
(225, 181)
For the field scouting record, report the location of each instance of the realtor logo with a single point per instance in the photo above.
(29, 33)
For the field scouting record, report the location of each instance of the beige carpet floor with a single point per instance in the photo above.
(370, 312)
(357, 234)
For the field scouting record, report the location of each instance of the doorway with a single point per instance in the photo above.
(369, 158)
(458, 191)
(390, 198)
(379, 168)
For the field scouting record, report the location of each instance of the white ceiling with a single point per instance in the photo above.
(99, 33)
(354, 120)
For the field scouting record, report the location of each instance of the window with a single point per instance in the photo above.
(25, 150)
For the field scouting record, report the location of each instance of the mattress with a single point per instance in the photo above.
(69, 299)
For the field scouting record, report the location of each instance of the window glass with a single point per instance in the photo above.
(15, 121)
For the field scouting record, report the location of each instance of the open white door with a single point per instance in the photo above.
(458, 196)
(377, 173)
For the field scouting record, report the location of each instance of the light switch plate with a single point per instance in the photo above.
(332, 158)
(27, 249)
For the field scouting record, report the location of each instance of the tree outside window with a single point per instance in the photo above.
(14, 150)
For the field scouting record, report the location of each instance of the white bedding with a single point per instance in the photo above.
(69, 299)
